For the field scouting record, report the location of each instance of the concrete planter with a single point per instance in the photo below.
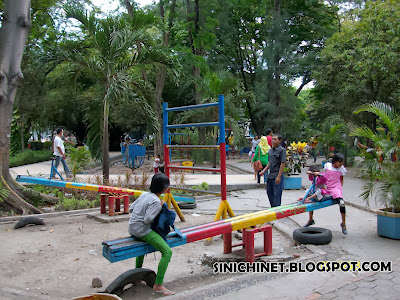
(291, 182)
(388, 223)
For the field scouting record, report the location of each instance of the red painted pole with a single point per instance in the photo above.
(249, 242)
(126, 204)
(222, 158)
(227, 242)
(118, 203)
(103, 198)
(166, 160)
(268, 239)
(111, 209)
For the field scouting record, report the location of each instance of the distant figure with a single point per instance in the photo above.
(227, 148)
(269, 136)
(59, 152)
(231, 140)
(284, 143)
(254, 142)
(156, 163)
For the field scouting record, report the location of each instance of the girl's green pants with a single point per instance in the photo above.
(158, 243)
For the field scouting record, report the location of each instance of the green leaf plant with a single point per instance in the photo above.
(380, 168)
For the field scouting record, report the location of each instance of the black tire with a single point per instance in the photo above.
(186, 205)
(312, 235)
(131, 276)
(27, 221)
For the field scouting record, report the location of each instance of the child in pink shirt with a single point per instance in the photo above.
(333, 177)
(320, 189)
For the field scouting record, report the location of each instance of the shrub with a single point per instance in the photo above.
(47, 145)
(29, 157)
(36, 145)
(80, 158)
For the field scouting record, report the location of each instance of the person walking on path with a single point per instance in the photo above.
(59, 152)
(261, 153)
(276, 163)
(144, 210)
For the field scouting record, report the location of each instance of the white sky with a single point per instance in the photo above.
(107, 5)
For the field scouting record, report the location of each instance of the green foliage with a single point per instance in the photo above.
(202, 186)
(48, 145)
(379, 169)
(75, 203)
(29, 157)
(80, 158)
(331, 136)
(361, 62)
(18, 127)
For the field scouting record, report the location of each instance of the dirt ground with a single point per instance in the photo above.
(59, 260)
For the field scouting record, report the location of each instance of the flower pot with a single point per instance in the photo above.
(388, 223)
(291, 182)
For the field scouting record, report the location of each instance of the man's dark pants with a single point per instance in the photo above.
(274, 192)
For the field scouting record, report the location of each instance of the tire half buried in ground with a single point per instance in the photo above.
(28, 221)
(312, 235)
(186, 205)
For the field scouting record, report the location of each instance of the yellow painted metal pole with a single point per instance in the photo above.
(177, 209)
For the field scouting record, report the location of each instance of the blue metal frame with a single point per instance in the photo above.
(136, 155)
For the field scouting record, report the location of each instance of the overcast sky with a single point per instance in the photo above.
(107, 5)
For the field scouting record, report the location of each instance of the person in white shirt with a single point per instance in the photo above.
(59, 152)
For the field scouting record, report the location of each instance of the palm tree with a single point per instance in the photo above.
(333, 137)
(381, 168)
(111, 58)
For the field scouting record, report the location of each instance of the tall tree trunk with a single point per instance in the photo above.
(129, 7)
(161, 75)
(13, 33)
(277, 57)
(105, 143)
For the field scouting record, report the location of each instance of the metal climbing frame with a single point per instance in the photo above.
(224, 207)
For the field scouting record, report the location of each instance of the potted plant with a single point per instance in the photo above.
(290, 180)
(381, 167)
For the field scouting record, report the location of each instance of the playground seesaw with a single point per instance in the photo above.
(129, 247)
(89, 187)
